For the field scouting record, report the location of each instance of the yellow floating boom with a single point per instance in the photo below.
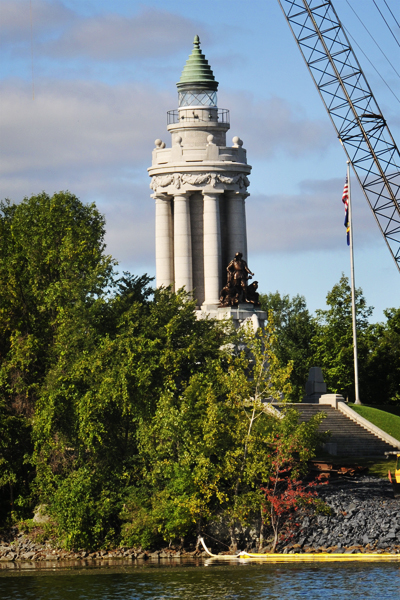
(304, 557)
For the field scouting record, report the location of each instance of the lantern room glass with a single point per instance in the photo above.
(198, 98)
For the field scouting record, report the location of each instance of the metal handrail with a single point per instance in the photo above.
(173, 117)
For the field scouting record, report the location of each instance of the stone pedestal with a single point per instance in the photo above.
(240, 315)
(331, 399)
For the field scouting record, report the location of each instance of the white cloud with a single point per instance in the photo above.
(313, 219)
(15, 20)
(79, 126)
(93, 139)
(59, 32)
(272, 125)
(96, 140)
(111, 36)
(75, 128)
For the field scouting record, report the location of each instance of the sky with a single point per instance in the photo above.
(85, 86)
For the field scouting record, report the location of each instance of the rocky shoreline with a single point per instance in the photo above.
(364, 518)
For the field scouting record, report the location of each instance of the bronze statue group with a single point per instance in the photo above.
(237, 290)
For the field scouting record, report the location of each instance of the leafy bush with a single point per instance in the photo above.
(84, 507)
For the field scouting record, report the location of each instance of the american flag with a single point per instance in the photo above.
(345, 200)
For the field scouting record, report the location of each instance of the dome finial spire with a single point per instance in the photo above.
(197, 71)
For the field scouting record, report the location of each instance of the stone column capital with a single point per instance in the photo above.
(212, 193)
(181, 196)
(159, 198)
(236, 194)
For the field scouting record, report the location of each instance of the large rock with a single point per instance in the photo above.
(41, 515)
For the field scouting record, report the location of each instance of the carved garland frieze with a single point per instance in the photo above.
(179, 179)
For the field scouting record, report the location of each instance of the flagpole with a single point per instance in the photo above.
(353, 292)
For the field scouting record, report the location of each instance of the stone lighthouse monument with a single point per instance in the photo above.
(200, 186)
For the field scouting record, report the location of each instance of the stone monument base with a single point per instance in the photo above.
(331, 399)
(240, 315)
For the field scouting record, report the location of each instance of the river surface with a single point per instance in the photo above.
(195, 581)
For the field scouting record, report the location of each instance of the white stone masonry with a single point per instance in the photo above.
(236, 222)
(164, 242)
(212, 249)
(200, 186)
(182, 243)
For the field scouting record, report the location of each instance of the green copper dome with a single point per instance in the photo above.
(197, 72)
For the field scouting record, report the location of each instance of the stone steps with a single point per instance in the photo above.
(348, 438)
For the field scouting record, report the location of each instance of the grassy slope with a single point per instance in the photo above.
(390, 408)
(386, 421)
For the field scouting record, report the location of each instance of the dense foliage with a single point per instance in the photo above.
(295, 329)
(326, 340)
(382, 375)
(285, 492)
(52, 272)
(131, 420)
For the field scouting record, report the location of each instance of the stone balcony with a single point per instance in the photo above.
(207, 153)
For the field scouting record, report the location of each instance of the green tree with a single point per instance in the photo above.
(52, 266)
(118, 407)
(85, 356)
(333, 341)
(98, 400)
(207, 451)
(382, 373)
(295, 328)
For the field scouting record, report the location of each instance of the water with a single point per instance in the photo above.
(194, 582)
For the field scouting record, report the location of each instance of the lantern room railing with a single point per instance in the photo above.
(174, 117)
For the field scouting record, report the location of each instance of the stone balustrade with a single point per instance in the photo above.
(210, 152)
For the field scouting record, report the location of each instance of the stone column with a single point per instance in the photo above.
(245, 256)
(182, 243)
(212, 249)
(164, 242)
(196, 223)
(236, 224)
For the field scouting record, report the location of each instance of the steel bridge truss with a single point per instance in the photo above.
(352, 108)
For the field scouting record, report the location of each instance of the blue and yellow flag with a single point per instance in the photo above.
(345, 200)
